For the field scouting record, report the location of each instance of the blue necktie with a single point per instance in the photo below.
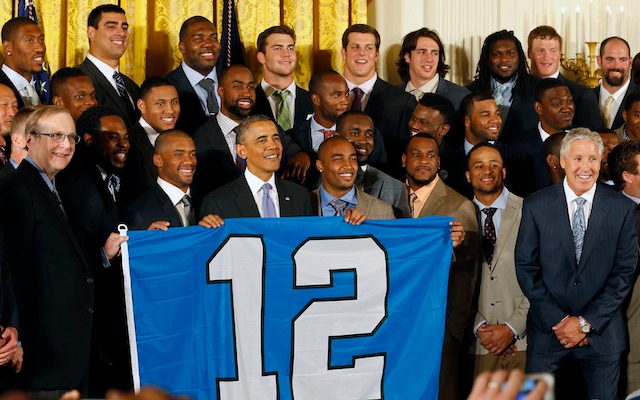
(268, 208)
(339, 205)
(122, 89)
(578, 227)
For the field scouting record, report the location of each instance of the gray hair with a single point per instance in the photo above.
(580, 134)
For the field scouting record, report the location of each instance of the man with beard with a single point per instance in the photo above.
(73, 90)
(502, 71)
(168, 204)
(196, 78)
(428, 196)
(91, 199)
(159, 111)
(357, 127)
(616, 85)
(499, 325)
(218, 163)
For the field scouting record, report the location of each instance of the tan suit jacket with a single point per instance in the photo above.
(370, 206)
(444, 201)
(500, 299)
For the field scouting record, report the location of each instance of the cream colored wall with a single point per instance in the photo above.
(463, 25)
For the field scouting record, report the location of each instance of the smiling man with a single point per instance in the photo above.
(575, 281)
(615, 62)
(196, 78)
(258, 192)
(24, 50)
(73, 90)
(108, 32)
(631, 116)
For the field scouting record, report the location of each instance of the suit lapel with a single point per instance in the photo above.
(284, 197)
(244, 199)
(434, 201)
(599, 211)
(167, 206)
(109, 90)
(560, 210)
(507, 225)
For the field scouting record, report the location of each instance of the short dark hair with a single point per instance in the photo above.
(441, 104)
(631, 98)
(261, 43)
(610, 39)
(547, 84)
(409, 44)
(424, 136)
(189, 21)
(544, 32)
(316, 79)
(360, 28)
(166, 135)
(11, 27)
(96, 14)
(481, 145)
(89, 120)
(60, 78)
(551, 145)
(330, 140)
(243, 129)
(342, 119)
(152, 82)
(623, 158)
(466, 106)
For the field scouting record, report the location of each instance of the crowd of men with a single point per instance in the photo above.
(544, 284)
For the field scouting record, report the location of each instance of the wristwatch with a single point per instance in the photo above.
(585, 327)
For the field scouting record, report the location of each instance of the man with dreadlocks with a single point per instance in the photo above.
(503, 71)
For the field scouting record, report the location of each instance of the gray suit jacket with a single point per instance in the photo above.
(370, 206)
(463, 274)
(500, 299)
(386, 188)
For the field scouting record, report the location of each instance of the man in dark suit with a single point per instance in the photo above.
(168, 203)
(357, 127)
(422, 67)
(278, 96)
(616, 85)
(91, 197)
(258, 192)
(108, 32)
(544, 51)
(502, 71)
(24, 49)
(8, 109)
(52, 274)
(338, 195)
(196, 78)
(388, 106)
(576, 256)
(159, 111)
(428, 195)
(11, 355)
(73, 90)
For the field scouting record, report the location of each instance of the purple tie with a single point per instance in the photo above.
(357, 99)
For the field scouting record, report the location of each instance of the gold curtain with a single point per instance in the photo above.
(154, 27)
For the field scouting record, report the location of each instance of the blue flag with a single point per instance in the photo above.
(290, 308)
(27, 9)
(231, 51)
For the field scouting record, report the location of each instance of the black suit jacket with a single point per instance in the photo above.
(107, 95)
(192, 115)
(234, 200)
(617, 121)
(521, 116)
(153, 205)
(6, 170)
(303, 105)
(557, 286)
(4, 79)
(390, 109)
(140, 174)
(53, 282)
(587, 108)
(8, 305)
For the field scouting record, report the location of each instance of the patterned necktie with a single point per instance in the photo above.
(58, 200)
(189, 213)
(113, 184)
(283, 114)
(268, 208)
(328, 133)
(489, 234)
(412, 200)
(34, 100)
(606, 112)
(417, 93)
(578, 227)
(122, 89)
(358, 94)
(212, 103)
(339, 205)
(498, 94)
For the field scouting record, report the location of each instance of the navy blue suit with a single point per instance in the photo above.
(595, 288)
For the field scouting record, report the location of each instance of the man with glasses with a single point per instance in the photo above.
(52, 274)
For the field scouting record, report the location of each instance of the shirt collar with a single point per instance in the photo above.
(604, 93)
(104, 68)
(543, 134)
(50, 182)
(429, 87)
(554, 76)
(255, 183)
(509, 84)
(174, 192)
(269, 90)
(148, 129)
(315, 126)
(326, 198)
(366, 86)
(225, 123)
(635, 199)
(18, 80)
(571, 196)
(194, 77)
(499, 203)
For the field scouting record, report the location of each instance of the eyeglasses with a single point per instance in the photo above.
(60, 137)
